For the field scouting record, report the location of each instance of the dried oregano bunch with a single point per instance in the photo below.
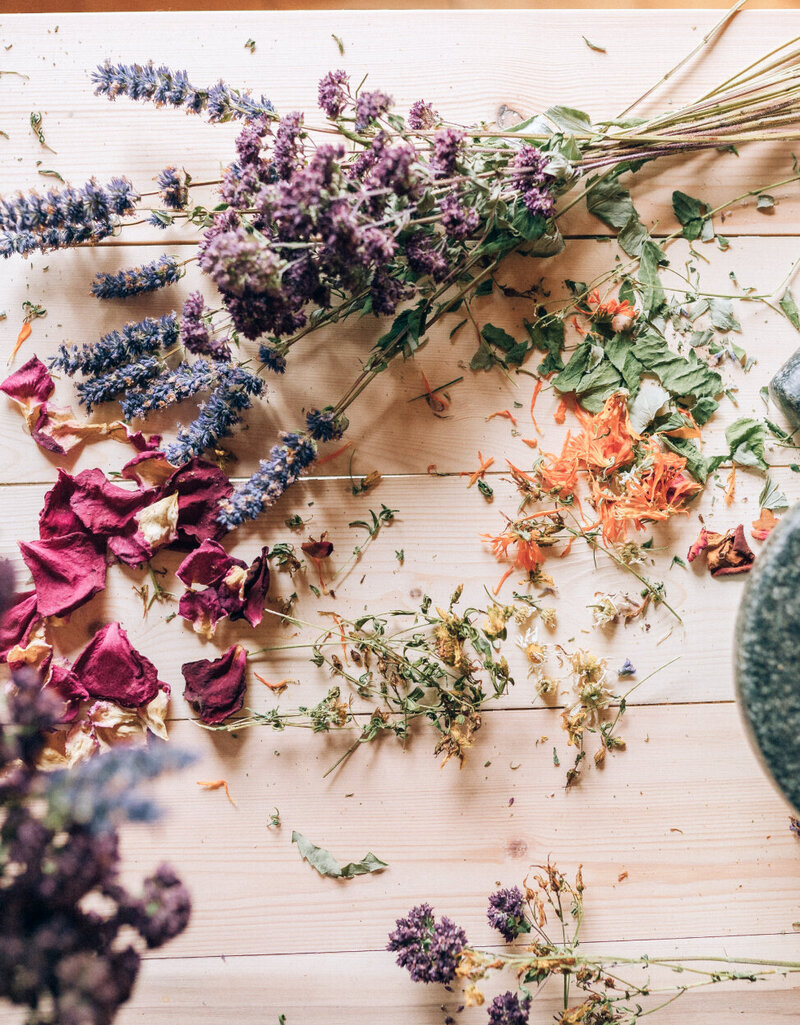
(543, 920)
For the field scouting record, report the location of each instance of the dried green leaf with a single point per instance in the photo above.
(746, 438)
(771, 496)
(789, 307)
(325, 863)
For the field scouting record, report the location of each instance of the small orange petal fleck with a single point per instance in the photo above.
(216, 784)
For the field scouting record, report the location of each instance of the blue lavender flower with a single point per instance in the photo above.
(102, 793)
(118, 347)
(325, 425)
(272, 359)
(508, 1009)
(217, 417)
(78, 207)
(428, 949)
(174, 188)
(627, 668)
(107, 386)
(166, 87)
(157, 274)
(170, 387)
(507, 913)
(285, 464)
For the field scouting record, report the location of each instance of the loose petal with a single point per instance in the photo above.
(216, 689)
(67, 571)
(111, 669)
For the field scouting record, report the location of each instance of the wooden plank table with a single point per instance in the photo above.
(685, 811)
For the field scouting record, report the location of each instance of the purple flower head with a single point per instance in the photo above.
(369, 107)
(332, 94)
(447, 146)
(249, 141)
(174, 188)
(423, 258)
(196, 333)
(325, 425)
(428, 949)
(272, 359)
(288, 151)
(794, 825)
(239, 265)
(386, 292)
(539, 201)
(507, 913)
(147, 278)
(285, 464)
(422, 116)
(529, 166)
(458, 221)
(508, 1009)
(392, 170)
(379, 246)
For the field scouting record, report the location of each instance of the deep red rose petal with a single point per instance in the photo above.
(41, 434)
(207, 564)
(144, 442)
(216, 689)
(202, 609)
(67, 571)
(64, 682)
(18, 622)
(57, 517)
(104, 508)
(30, 385)
(201, 486)
(256, 586)
(110, 668)
(317, 549)
(131, 549)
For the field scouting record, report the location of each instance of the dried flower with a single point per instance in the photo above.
(427, 949)
(507, 913)
(285, 464)
(216, 689)
(147, 278)
(508, 1009)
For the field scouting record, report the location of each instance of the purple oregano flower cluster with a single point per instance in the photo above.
(394, 212)
(430, 951)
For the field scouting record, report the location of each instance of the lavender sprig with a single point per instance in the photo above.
(285, 464)
(150, 276)
(166, 87)
(170, 387)
(118, 347)
(218, 416)
(105, 387)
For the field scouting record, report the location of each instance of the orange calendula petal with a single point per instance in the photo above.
(333, 455)
(216, 784)
(560, 414)
(25, 333)
(730, 490)
(504, 413)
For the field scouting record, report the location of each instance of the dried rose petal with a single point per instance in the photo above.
(148, 468)
(102, 507)
(30, 386)
(216, 689)
(57, 517)
(130, 549)
(255, 589)
(67, 571)
(144, 442)
(208, 564)
(201, 486)
(111, 669)
(64, 681)
(729, 553)
(203, 610)
(700, 545)
(18, 622)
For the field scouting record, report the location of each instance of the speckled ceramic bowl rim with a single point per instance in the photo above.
(784, 526)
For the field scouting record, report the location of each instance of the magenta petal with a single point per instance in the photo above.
(111, 669)
(144, 442)
(131, 549)
(203, 609)
(216, 689)
(67, 571)
(18, 622)
(64, 682)
(256, 586)
(57, 517)
(207, 564)
(31, 384)
(200, 486)
(104, 508)
(40, 434)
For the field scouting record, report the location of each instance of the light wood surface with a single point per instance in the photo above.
(685, 810)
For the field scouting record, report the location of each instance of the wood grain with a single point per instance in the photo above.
(686, 809)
